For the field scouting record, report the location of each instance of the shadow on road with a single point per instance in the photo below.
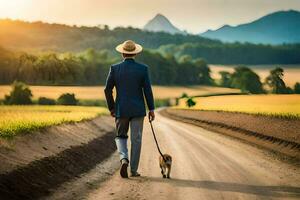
(272, 191)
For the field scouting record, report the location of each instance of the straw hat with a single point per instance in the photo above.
(129, 47)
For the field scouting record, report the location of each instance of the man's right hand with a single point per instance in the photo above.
(112, 113)
(151, 115)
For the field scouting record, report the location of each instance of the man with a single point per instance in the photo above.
(132, 83)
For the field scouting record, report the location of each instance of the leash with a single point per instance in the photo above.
(156, 140)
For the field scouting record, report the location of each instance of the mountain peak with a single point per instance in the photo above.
(275, 28)
(160, 16)
(160, 23)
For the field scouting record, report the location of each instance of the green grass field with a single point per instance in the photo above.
(286, 106)
(23, 119)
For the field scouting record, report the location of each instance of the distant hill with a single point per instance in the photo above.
(38, 36)
(161, 24)
(17, 36)
(276, 28)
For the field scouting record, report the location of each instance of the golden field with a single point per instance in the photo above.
(274, 105)
(22, 119)
(96, 92)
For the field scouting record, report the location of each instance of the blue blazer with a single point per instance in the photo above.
(132, 83)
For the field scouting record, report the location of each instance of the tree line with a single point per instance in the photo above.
(236, 53)
(22, 95)
(248, 81)
(91, 67)
(54, 69)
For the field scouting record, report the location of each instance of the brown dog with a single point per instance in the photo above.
(165, 165)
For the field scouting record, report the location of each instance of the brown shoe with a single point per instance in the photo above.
(123, 170)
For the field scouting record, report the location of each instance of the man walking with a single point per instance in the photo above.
(132, 83)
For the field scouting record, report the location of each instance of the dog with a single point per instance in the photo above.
(165, 164)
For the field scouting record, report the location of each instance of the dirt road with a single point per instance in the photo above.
(206, 165)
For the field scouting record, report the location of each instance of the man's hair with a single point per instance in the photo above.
(125, 55)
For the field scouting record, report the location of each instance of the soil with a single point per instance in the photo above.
(206, 165)
(281, 136)
(35, 164)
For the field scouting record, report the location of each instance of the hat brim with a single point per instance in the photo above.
(138, 49)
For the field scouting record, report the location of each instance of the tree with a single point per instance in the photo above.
(246, 80)
(225, 80)
(163, 70)
(20, 95)
(275, 81)
(184, 95)
(289, 90)
(250, 82)
(26, 68)
(297, 88)
(190, 102)
(67, 99)
(204, 71)
(46, 101)
(185, 59)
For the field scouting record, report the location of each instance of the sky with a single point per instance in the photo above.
(194, 16)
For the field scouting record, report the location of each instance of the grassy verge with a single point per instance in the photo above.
(282, 106)
(23, 119)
